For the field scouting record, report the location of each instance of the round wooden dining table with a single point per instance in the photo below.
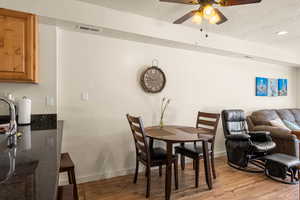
(181, 134)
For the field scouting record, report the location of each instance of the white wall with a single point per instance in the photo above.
(298, 88)
(96, 131)
(47, 75)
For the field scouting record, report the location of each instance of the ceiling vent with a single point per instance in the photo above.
(87, 28)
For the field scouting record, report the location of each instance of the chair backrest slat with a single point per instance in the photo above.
(141, 147)
(132, 119)
(139, 138)
(208, 115)
(208, 121)
(208, 129)
(137, 129)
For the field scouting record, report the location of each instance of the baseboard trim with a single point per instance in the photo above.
(220, 154)
(111, 174)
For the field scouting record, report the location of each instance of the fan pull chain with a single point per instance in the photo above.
(206, 35)
(206, 28)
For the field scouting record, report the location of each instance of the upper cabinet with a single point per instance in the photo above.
(18, 47)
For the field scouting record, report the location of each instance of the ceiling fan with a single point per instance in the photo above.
(207, 11)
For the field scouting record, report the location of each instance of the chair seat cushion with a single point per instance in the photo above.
(286, 160)
(158, 154)
(238, 137)
(264, 146)
(191, 149)
(260, 136)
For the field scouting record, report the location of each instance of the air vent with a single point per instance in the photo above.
(86, 28)
(248, 57)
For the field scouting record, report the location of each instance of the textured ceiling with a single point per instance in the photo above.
(256, 22)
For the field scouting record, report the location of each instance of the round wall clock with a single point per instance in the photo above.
(153, 80)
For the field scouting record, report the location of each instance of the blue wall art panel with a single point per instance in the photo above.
(261, 86)
(282, 87)
(272, 87)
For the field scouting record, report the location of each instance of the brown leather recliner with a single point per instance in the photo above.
(286, 142)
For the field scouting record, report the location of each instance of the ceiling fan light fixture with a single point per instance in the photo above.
(214, 19)
(208, 11)
(194, 2)
(219, 1)
(197, 18)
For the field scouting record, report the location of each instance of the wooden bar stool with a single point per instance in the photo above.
(67, 165)
(65, 192)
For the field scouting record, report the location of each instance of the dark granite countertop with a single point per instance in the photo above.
(33, 164)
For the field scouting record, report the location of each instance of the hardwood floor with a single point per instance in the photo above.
(230, 184)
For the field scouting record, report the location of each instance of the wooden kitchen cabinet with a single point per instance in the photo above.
(18, 47)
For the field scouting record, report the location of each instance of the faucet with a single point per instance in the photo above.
(12, 140)
(12, 154)
(12, 111)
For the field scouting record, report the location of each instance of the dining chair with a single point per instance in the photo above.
(209, 122)
(147, 155)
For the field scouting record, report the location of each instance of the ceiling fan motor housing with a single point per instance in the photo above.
(205, 2)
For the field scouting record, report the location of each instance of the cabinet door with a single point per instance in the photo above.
(18, 53)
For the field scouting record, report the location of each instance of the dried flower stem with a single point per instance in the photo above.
(164, 104)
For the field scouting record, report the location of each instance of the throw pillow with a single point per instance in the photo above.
(278, 123)
(292, 125)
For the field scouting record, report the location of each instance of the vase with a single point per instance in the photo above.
(161, 123)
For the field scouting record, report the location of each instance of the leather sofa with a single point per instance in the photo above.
(287, 143)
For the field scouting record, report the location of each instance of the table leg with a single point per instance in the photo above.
(207, 164)
(168, 183)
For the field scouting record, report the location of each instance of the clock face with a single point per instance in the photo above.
(153, 80)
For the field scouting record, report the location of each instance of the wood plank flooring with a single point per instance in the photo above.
(230, 184)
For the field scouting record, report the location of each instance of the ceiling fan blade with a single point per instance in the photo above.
(191, 2)
(222, 17)
(185, 17)
(238, 2)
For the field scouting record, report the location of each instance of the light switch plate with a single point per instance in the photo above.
(84, 96)
(49, 101)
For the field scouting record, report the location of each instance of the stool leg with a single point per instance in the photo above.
(70, 177)
(75, 185)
